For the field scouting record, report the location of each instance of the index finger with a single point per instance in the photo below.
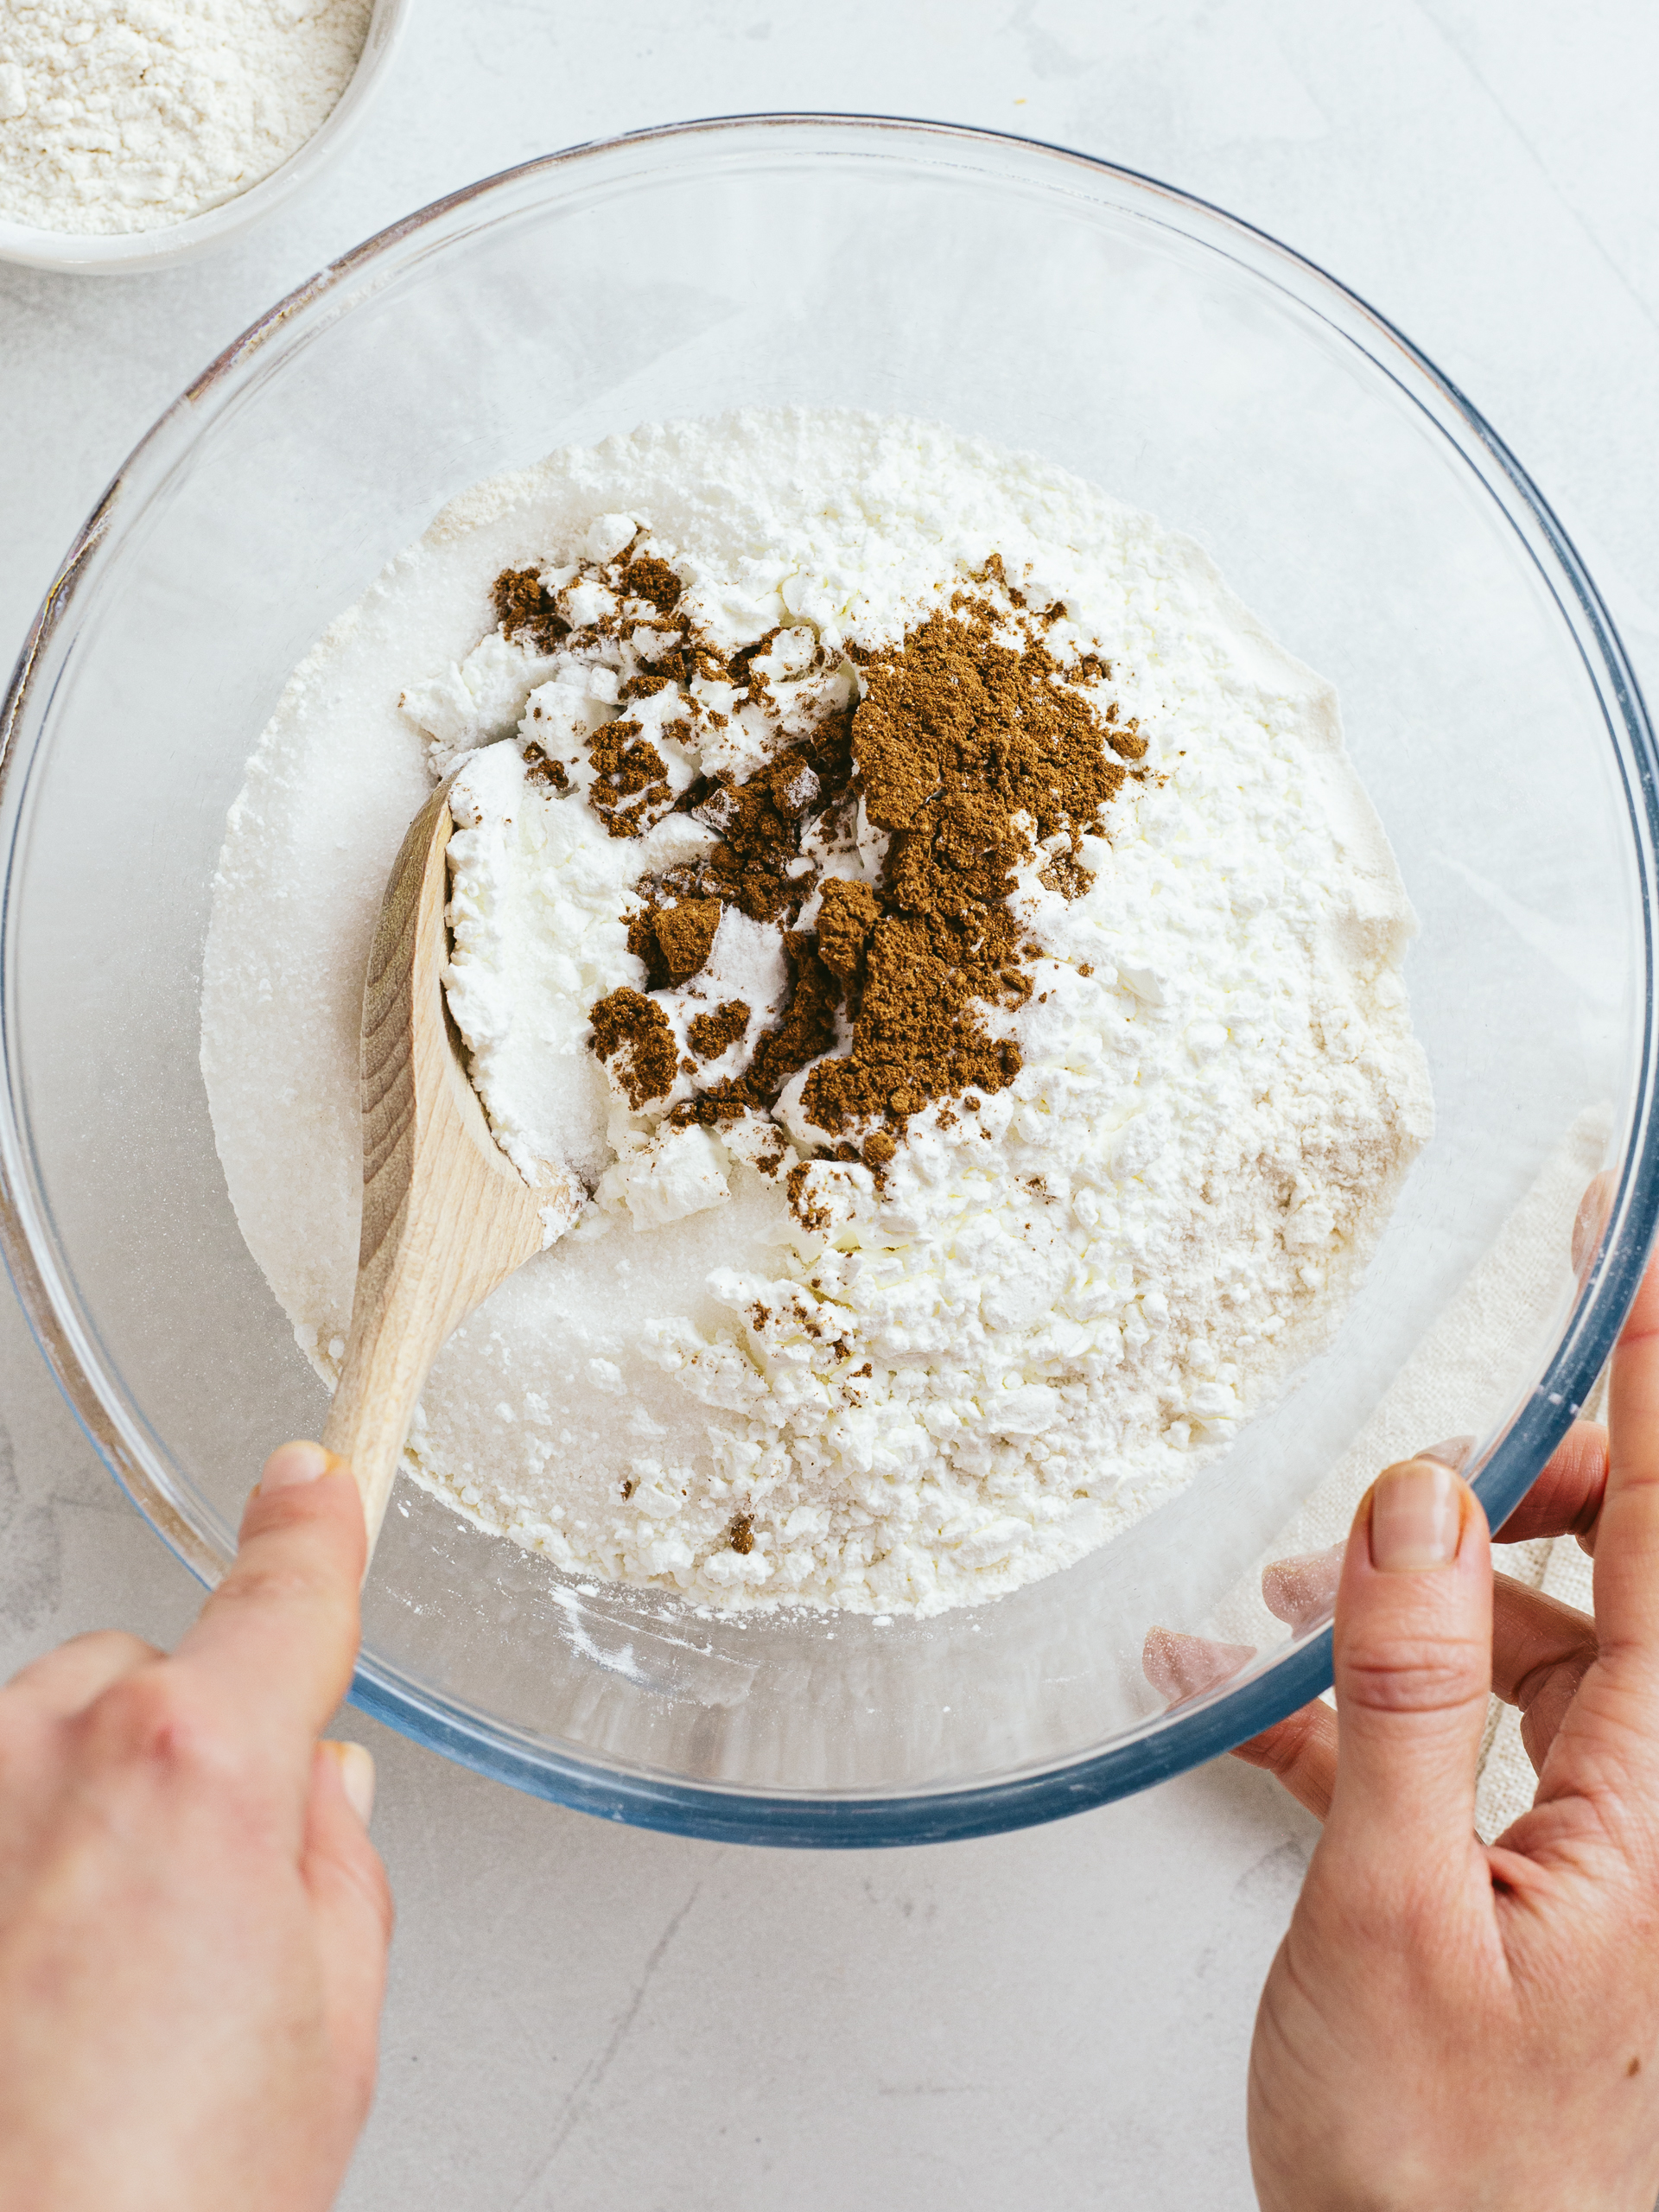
(1565, 1499)
(279, 1635)
(1627, 1536)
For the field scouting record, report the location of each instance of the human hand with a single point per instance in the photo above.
(194, 1923)
(1448, 2024)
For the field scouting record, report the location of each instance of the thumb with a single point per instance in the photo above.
(1413, 1651)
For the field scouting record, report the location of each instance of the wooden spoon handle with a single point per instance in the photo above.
(387, 1363)
(446, 1214)
(399, 1328)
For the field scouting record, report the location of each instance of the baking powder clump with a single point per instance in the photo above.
(946, 937)
(128, 115)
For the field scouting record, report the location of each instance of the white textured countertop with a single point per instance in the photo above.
(590, 2017)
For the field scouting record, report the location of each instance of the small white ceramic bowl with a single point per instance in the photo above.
(105, 254)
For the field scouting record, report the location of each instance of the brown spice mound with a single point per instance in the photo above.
(523, 602)
(847, 922)
(633, 1030)
(685, 936)
(959, 735)
(973, 743)
(955, 712)
(650, 578)
(708, 1034)
(630, 791)
(805, 1030)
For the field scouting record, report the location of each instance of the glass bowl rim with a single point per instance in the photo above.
(1164, 1744)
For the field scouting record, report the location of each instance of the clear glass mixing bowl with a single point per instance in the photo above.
(1154, 346)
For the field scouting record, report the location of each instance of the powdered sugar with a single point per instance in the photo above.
(128, 115)
(1049, 1310)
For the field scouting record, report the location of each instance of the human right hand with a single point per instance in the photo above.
(1448, 2024)
(194, 1923)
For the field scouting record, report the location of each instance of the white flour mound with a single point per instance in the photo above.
(1047, 1314)
(130, 115)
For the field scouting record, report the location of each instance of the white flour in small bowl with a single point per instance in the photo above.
(942, 930)
(130, 115)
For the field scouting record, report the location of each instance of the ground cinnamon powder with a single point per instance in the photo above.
(967, 747)
(972, 744)
(633, 1031)
(708, 1034)
(524, 604)
(684, 936)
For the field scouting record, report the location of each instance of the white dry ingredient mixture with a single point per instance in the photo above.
(130, 115)
(958, 1358)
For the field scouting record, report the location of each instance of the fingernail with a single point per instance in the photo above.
(293, 1464)
(1301, 1590)
(1417, 1518)
(1453, 1454)
(1180, 1667)
(356, 1763)
(1590, 1219)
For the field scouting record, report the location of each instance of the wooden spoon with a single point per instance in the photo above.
(446, 1214)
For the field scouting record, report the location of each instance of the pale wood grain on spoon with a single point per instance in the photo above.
(446, 1214)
